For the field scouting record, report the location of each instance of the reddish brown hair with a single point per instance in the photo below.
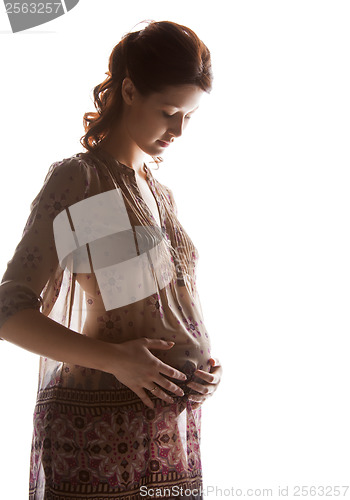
(162, 54)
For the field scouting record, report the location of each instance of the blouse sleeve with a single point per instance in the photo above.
(35, 257)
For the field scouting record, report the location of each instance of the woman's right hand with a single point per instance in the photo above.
(139, 369)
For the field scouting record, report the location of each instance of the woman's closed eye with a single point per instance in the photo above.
(170, 116)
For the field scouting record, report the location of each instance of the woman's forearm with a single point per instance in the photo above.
(35, 332)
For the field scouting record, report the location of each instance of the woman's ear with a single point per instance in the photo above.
(129, 92)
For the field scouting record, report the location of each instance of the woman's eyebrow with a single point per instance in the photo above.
(172, 106)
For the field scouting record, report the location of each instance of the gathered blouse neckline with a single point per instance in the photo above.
(124, 168)
(130, 172)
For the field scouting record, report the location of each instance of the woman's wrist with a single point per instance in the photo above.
(106, 356)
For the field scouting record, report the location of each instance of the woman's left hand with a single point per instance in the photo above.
(212, 380)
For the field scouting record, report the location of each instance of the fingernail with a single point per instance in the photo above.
(170, 343)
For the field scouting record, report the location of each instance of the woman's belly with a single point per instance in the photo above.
(158, 317)
(187, 354)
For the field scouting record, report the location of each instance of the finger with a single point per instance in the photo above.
(171, 372)
(143, 396)
(214, 370)
(197, 399)
(202, 389)
(208, 377)
(214, 361)
(169, 386)
(158, 343)
(161, 394)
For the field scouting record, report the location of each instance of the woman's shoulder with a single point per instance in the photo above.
(74, 164)
(79, 168)
(69, 180)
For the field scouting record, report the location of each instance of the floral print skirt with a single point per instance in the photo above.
(107, 444)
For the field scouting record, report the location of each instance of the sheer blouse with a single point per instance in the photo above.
(93, 258)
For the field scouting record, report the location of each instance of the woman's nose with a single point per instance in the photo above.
(177, 128)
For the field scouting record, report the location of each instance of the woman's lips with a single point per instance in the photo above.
(164, 144)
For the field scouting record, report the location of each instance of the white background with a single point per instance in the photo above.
(261, 180)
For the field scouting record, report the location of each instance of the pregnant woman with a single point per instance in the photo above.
(102, 286)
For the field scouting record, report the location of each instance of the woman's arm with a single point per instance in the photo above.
(35, 332)
(130, 362)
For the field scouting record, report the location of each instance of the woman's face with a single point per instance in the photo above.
(161, 116)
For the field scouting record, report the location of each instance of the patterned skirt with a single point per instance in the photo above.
(107, 444)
